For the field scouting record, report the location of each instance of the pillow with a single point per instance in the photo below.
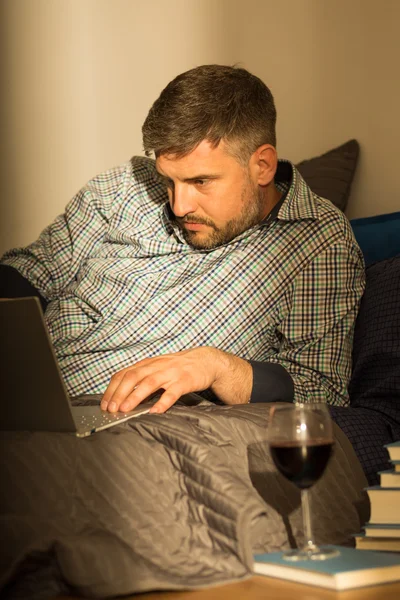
(378, 237)
(330, 175)
(375, 381)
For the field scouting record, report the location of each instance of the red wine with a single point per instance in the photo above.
(303, 464)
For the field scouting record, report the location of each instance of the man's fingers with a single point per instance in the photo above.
(144, 388)
(177, 374)
(136, 373)
(134, 387)
(112, 386)
(118, 378)
(120, 386)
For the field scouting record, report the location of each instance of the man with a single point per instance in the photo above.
(214, 268)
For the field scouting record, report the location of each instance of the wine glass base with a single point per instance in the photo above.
(313, 553)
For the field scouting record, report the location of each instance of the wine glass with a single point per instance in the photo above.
(300, 439)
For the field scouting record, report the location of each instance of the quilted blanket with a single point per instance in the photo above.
(171, 501)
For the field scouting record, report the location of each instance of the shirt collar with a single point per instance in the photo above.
(299, 201)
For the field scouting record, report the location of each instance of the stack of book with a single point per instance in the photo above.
(383, 530)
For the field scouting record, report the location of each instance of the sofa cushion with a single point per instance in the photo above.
(368, 431)
(375, 381)
(331, 174)
(373, 419)
(378, 237)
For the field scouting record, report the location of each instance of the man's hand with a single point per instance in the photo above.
(229, 377)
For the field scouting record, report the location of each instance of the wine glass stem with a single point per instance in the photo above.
(305, 504)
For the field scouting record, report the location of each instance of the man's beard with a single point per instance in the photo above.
(253, 204)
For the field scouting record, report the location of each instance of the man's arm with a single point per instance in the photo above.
(313, 360)
(52, 262)
(317, 330)
(228, 376)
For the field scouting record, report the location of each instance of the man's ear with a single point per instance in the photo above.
(263, 164)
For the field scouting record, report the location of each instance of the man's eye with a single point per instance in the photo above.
(199, 182)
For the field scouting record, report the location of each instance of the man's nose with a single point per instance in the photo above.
(182, 201)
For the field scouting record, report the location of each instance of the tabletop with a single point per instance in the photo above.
(260, 588)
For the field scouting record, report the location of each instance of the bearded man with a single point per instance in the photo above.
(212, 268)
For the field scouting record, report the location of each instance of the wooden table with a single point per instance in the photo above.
(267, 588)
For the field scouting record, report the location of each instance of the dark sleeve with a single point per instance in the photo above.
(14, 285)
(271, 383)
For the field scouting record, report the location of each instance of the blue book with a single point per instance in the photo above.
(351, 569)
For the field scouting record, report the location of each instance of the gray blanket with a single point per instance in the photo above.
(172, 501)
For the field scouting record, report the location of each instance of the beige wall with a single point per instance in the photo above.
(362, 66)
(334, 69)
(78, 77)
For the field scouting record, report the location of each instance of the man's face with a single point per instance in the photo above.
(212, 196)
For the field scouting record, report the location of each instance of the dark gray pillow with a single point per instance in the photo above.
(331, 174)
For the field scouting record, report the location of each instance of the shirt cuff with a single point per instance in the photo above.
(271, 383)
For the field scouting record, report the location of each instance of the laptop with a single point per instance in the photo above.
(33, 391)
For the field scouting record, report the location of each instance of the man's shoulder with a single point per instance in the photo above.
(332, 228)
(312, 223)
(136, 166)
(330, 216)
(137, 176)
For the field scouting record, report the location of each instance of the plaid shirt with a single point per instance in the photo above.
(123, 285)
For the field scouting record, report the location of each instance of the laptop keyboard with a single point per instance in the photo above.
(94, 421)
(91, 418)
